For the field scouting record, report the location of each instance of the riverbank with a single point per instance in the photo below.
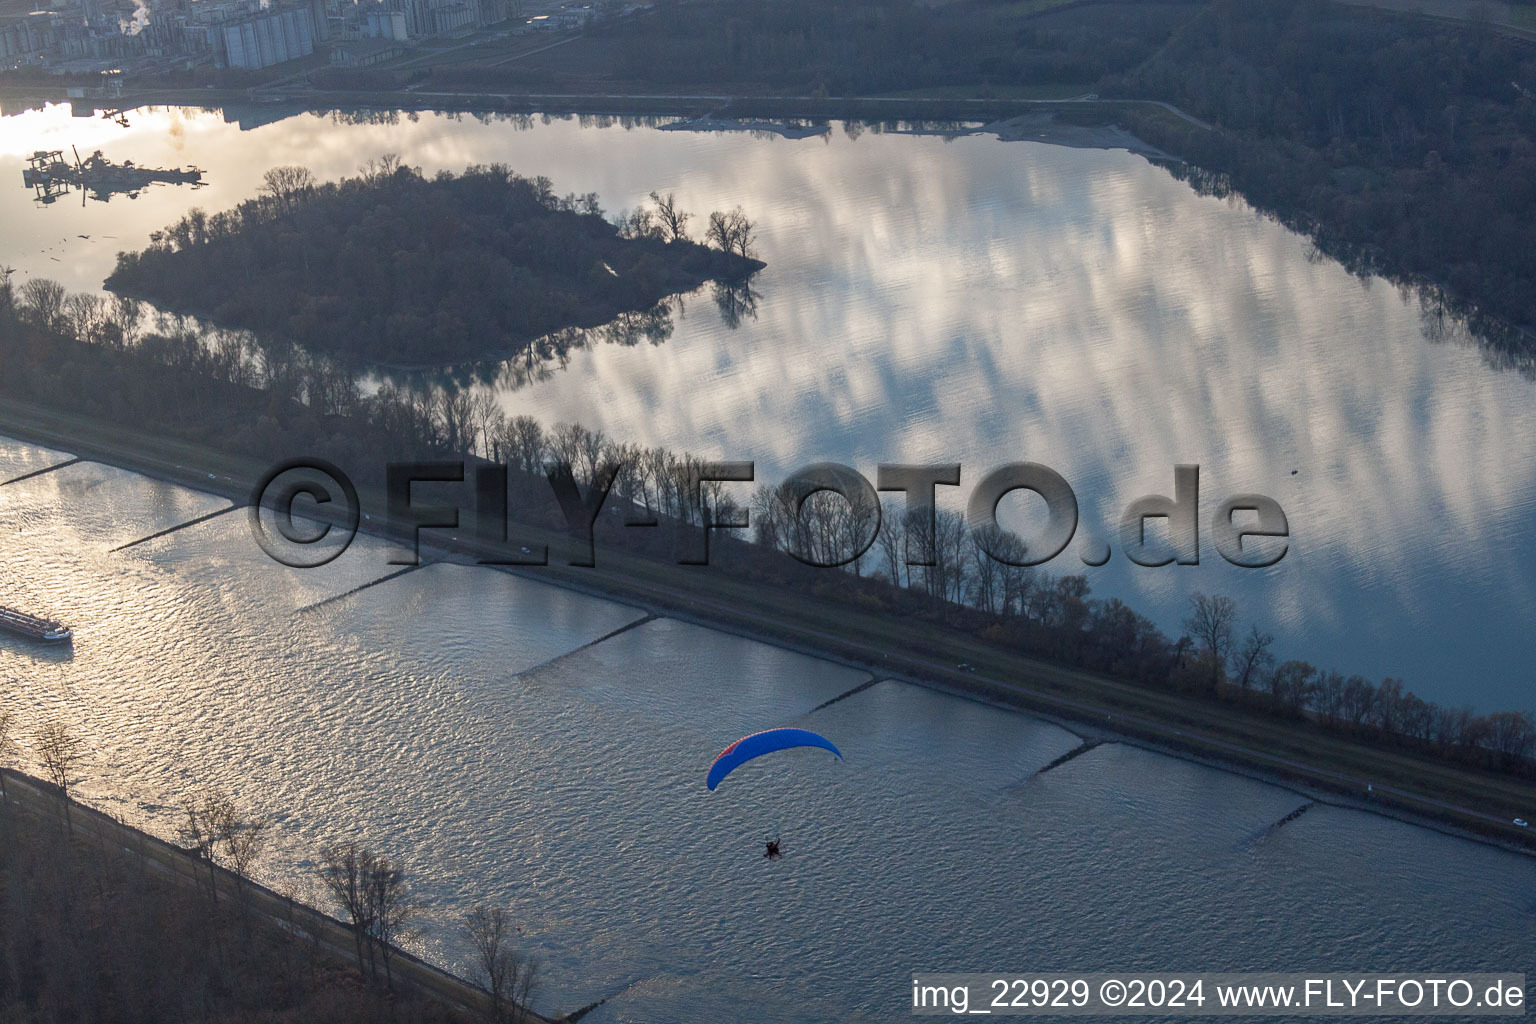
(1474, 804)
(1043, 126)
(1074, 122)
(33, 805)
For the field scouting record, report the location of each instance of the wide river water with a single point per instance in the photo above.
(971, 301)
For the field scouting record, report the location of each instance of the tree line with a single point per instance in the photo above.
(192, 389)
(93, 930)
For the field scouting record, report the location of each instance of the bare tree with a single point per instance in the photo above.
(1018, 580)
(123, 318)
(986, 574)
(523, 983)
(204, 817)
(373, 892)
(1252, 657)
(508, 974)
(1453, 727)
(951, 538)
(390, 908)
(43, 301)
(565, 444)
(1512, 735)
(674, 222)
(591, 448)
(860, 523)
(86, 316)
(1290, 685)
(527, 441)
(1388, 708)
(1359, 700)
(241, 837)
(639, 223)
(387, 165)
(7, 749)
(487, 928)
(1210, 622)
(892, 539)
(488, 419)
(60, 754)
(455, 414)
(344, 872)
(732, 232)
(286, 184)
(1330, 697)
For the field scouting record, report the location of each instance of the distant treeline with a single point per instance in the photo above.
(1405, 146)
(228, 397)
(870, 47)
(395, 267)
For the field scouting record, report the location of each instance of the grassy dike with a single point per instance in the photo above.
(32, 806)
(1325, 766)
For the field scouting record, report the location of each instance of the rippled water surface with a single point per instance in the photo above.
(522, 743)
(971, 301)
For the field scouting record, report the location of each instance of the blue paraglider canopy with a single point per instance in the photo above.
(760, 743)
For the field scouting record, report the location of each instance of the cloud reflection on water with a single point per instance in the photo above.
(981, 301)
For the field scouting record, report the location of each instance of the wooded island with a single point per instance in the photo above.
(395, 267)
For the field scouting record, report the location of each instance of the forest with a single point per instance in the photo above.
(875, 47)
(74, 354)
(395, 267)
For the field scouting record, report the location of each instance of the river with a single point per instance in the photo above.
(971, 301)
(464, 719)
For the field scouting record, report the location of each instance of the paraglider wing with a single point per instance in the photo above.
(760, 743)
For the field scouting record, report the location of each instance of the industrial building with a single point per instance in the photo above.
(78, 36)
(266, 39)
(362, 53)
(24, 38)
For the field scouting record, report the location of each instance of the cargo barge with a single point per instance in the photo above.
(34, 628)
